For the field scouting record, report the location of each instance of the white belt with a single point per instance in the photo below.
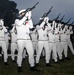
(51, 42)
(63, 41)
(57, 41)
(13, 42)
(23, 39)
(34, 41)
(2, 40)
(2, 37)
(42, 40)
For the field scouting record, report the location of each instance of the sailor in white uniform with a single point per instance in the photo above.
(43, 41)
(52, 45)
(23, 39)
(13, 42)
(3, 30)
(69, 43)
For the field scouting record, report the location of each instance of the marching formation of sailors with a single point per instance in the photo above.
(50, 38)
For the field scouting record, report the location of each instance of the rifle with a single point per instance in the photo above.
(29, 9)
(44, 15)
(68, 21)
(62, 18)
(72, 23)
(56, 19)
(57, 16)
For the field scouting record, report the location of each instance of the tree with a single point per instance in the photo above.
(8, 12)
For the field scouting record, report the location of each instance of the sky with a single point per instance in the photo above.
(65, 7)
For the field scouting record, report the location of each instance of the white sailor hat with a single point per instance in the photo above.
(46, 18)
(21, 11)
(70, 27)
(66, 26)
(40, 18)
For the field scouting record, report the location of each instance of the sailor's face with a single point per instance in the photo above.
(66, 27)
(62, 26)
(70, 28)
(22, 14)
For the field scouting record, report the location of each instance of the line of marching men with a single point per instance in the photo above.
(50, 38)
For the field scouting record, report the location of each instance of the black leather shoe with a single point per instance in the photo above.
(19, 69)
(23, 59)
(5, 63)
(42, 57)
(61, 60)
(48, 65)
(57, 62)
(35, 69)
(2, 56)
(13, 61)
(37, 65)
(67, 58)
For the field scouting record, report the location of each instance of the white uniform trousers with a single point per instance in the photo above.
(35, 45)
(52, 47)
(43, 52)
(69, 43)
(64, 48)
(42, 44)
(4, 50)
(7, 43)
(24, 53)
(13, 48)
(29, 47)
(58, 49)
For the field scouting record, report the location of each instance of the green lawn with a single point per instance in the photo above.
(63, 68)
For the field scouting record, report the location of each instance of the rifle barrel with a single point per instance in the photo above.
(68, 20)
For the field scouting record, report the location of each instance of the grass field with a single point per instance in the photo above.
(63, 68)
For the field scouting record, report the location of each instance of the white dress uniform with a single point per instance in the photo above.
(23, 40)
(13, 43)
(42, 42)
(57, 42)
(69, 43)
(52, 46)
(7, 39)
(34, 40)
(2, 40)
(63, 37)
